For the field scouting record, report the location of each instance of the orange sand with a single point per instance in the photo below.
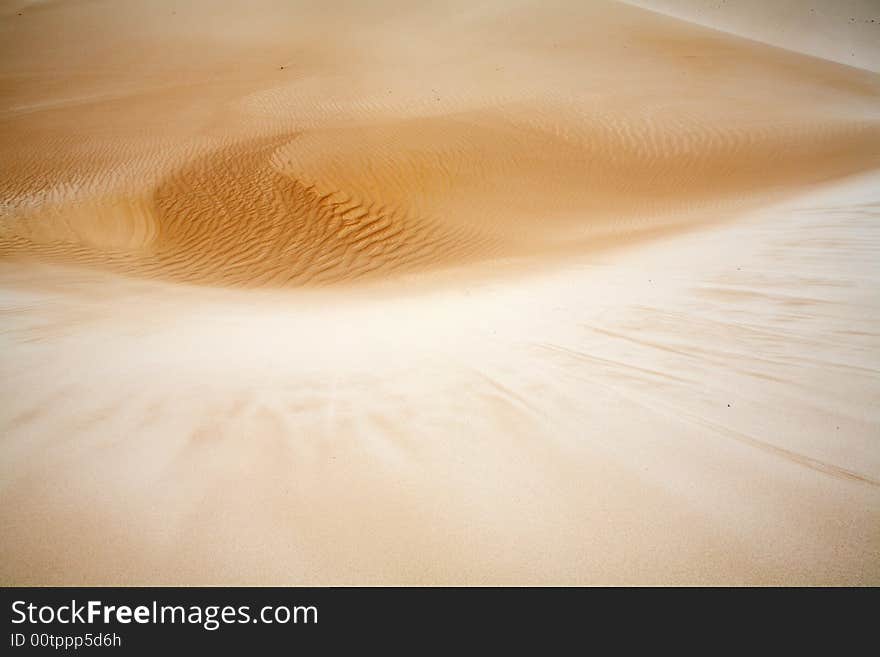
(437, 293)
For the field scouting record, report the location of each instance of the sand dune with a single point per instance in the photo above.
(505, 292)
(844, 31)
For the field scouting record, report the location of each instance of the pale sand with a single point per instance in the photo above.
(497, 293)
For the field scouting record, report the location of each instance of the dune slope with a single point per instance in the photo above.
(576, 125)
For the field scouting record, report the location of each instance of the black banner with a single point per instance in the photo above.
(147, 620)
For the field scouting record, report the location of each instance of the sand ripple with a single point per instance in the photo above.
(341, 165)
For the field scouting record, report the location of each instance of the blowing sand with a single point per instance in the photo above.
(436, 293)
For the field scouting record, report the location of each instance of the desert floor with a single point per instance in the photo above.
(439, 293)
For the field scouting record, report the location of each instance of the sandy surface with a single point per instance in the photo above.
(437, 293)
(844, 31)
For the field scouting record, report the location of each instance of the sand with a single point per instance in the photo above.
(438, 293)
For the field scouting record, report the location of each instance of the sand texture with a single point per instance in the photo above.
(439, 293)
